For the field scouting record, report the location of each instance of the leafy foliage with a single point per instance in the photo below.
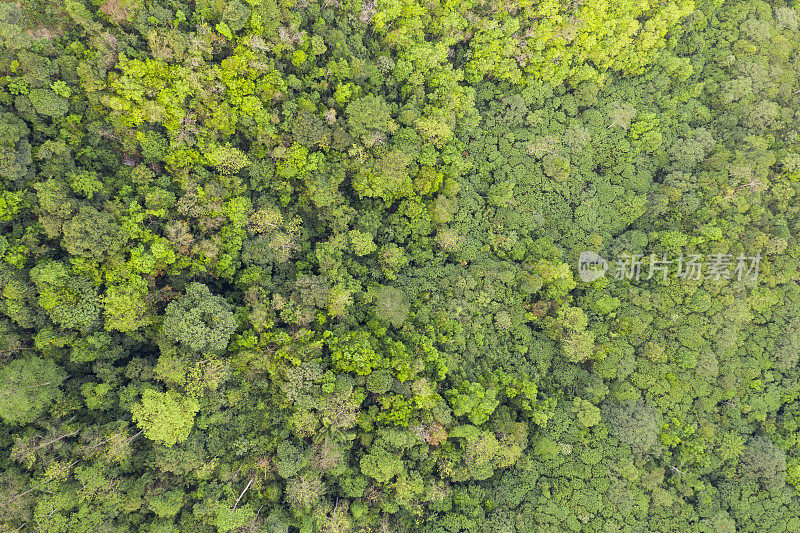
(313, 266)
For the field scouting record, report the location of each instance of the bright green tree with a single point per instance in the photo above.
(165, 417)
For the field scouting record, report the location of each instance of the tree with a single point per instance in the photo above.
(588, 414)
(361, 242)
(168, 504)
(473, 400)
(27, 388)
(72, 302)
(15, 150)
(199, 320)
(46, 102)
(236, 15)
(391, 305)
(381, 465)
(290, 459)
(126, 306)
(230, 519)
(165, 417)
(55, 206)
(227, 159)
(93, 234)
(764, 462)
(121, 10)
(304, 491)
(369, 115)
(389, 180)
(634, 424)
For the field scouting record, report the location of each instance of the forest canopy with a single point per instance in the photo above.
(331, 266)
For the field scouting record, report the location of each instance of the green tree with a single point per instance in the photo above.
(368, 116)
(764, 462)
(46, 102)
(391, 305)
(473, 400)
(27, 388)
(93, 234)
(381, 465)
(126, 306)
(165, 417)
(635, 424)
(199, 320)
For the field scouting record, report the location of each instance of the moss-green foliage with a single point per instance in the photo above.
(29, 386)
(47, 102)
(312, 266)
(199, 320)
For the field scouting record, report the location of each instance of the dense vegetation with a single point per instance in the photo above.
(301, 266)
